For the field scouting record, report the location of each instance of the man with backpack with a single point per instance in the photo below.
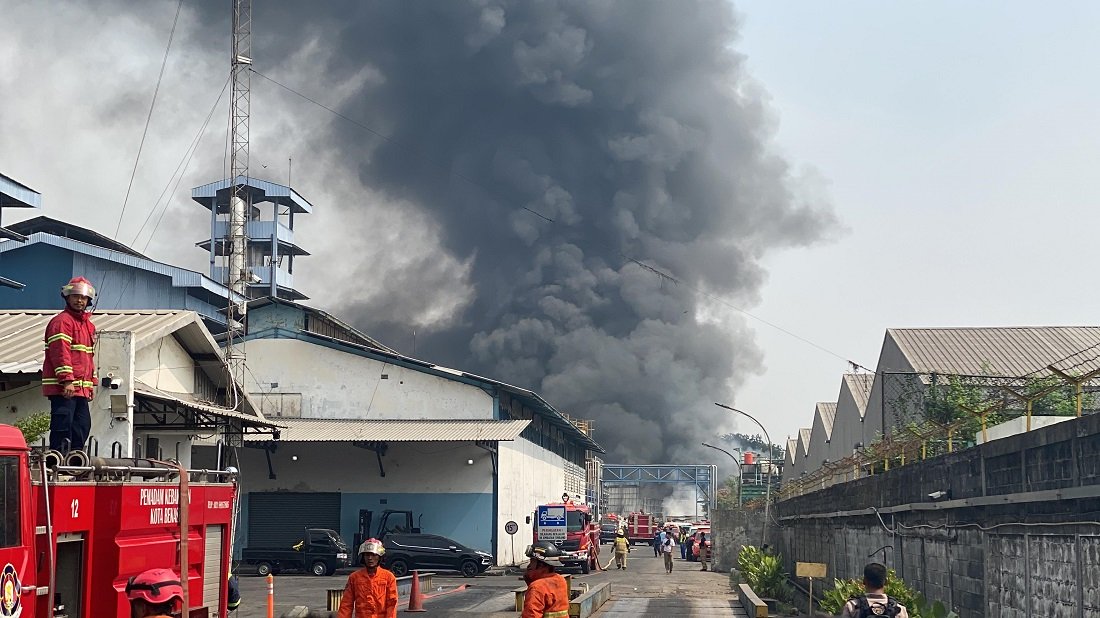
(874, 601)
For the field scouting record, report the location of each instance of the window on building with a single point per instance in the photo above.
(10, 508)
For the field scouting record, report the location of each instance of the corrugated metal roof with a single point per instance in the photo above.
(792, 450)
(1002, 351)
(259, 190)
(804, 439)
(144, 390)
(21, 332)
(329, 430)
(859, 385)
(826, 411)
(14, 194)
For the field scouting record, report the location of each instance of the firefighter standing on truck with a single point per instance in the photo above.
(371, 591)
(156, 593)
(547, 593)
(68, 373)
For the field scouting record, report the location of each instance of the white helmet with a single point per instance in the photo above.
(372, 546)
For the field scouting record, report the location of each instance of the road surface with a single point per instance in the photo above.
(644, 589)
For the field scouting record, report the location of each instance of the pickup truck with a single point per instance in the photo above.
(320, 552)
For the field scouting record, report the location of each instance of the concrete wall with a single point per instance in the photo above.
(1016, 537)
(337, 385)
(731, 530)
(166, 365)
(529, 476)
(433, 479)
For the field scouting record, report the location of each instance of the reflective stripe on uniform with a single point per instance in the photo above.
(87, 349)
(558, 614)
(59, 337)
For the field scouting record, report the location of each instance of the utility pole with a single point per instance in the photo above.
(238, 275)
(771, 462)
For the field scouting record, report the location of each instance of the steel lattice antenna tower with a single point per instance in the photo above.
(238, 274)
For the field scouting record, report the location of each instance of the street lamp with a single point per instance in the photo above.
(771, 462)
(740, 475)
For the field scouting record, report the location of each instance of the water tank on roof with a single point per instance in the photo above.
(750, 458)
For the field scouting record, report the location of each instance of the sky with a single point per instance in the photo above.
(834, 170)
(957, 143)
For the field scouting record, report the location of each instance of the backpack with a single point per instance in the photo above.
(866, 608)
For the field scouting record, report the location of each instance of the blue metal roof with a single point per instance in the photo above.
(14, 194)
(180, 276)
(259, 190)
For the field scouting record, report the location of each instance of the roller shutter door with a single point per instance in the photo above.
(211, 569)
(279, 519)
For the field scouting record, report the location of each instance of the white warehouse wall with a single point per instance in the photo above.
(529, 475)
(165, 365)
(335, 384)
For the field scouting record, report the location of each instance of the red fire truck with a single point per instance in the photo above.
(75, 529)
(578, 534)
(640, 527)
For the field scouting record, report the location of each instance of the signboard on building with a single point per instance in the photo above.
(551, 523)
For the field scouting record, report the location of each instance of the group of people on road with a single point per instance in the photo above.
(671, 536)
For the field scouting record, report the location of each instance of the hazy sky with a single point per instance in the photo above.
(958, 142)
(939, 154)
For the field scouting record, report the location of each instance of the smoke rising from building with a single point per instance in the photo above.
(532, 152)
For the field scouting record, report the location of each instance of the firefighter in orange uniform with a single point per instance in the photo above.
(547, 593)
(156, 593)
(372, 590)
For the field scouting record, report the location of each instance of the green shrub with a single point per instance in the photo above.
(33, 426)
(763, 573)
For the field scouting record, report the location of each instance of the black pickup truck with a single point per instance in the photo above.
(320, 552)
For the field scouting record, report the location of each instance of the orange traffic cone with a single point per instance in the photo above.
(416, 600)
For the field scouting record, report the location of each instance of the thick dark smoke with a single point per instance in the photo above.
(536, 149)
(633, 127)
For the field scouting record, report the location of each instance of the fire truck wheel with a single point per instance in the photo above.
(399, 567)
(585, 568)
(469, 568)
(319, 568)
(263, 569)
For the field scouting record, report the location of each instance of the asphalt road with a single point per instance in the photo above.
(644, 589)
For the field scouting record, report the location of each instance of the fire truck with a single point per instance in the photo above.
(640, 527)
(76, 528)
(578, 534)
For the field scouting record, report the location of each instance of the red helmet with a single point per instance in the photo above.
(79, 286)
(156, 586)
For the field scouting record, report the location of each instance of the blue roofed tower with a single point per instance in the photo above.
(270, 215)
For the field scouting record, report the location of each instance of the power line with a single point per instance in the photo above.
(647, 267)
(181, 168)
(148, 118)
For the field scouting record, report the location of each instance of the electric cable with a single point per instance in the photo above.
(149, 117)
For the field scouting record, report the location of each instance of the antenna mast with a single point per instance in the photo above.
(238, 274)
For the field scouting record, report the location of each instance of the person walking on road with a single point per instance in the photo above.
(704, 550)
(371, 592)
(547, 593)
(622, 548)
(68, 372)
(658, 536)
(667, 547)
(683, 543)
(874, 601)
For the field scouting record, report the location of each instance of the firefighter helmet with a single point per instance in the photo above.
(79, 286)
(545, 551)
(372, 546)
(156, 586)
